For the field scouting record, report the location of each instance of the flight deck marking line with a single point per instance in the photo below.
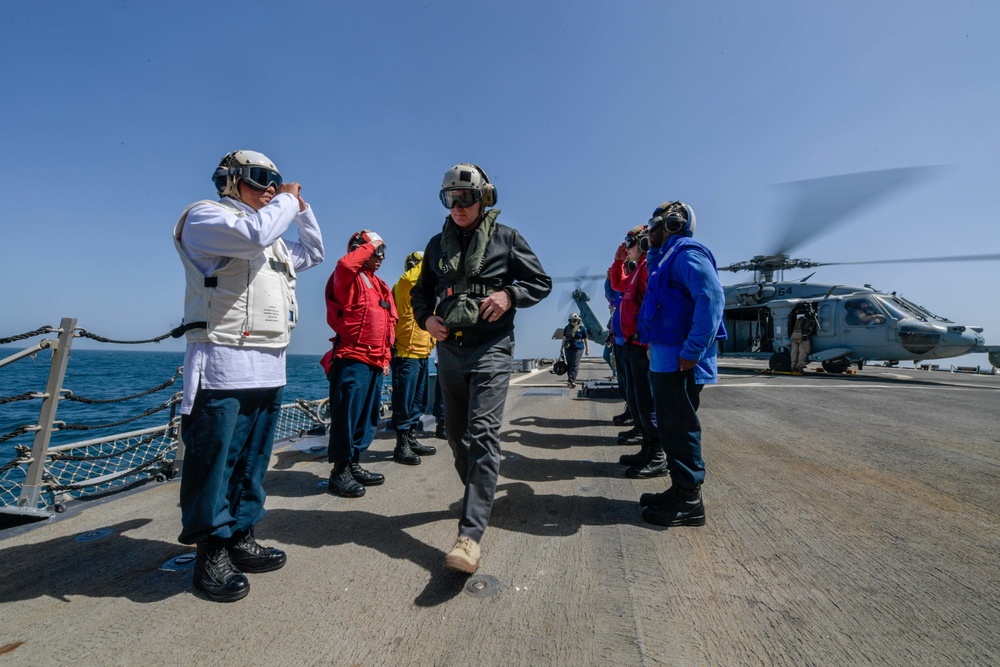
(526, 375)
(851, 386)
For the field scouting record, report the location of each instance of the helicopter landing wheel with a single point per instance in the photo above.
(780, 361)
(836, 365)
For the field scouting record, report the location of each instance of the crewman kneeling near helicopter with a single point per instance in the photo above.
(681, 320)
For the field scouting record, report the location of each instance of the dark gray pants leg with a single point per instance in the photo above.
(474, 388)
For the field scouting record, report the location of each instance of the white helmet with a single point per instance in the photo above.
(255, 169)
(575, 318)
(466, 176)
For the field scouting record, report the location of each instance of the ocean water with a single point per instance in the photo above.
(105, 374)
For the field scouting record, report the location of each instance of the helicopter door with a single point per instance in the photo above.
(827, 319)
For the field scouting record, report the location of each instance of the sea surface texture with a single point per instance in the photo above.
(113, 374)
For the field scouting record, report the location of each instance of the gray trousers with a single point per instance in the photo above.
(473, 385)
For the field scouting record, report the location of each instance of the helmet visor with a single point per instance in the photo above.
(464, 197)
(259, 178)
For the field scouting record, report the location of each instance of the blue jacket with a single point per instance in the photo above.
(682, 311)
(614, 298)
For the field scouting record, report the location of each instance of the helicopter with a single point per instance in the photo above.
(854, 324)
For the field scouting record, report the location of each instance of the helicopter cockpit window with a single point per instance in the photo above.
(863, 313)
(898, 311)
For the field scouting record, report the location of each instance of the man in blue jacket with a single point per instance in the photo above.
(680, 320)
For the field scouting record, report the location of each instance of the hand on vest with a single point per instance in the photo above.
(494, 306)
(435, 327)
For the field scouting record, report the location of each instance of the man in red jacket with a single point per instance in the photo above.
(628, 276)
(360, 310)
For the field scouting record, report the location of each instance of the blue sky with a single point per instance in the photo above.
(586, 115)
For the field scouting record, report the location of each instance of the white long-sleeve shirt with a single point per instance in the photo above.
(211, 236)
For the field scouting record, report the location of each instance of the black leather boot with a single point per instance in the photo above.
(652, 499)
(417, 446)
(342, 482)
(684, 507)
(655, 464)
(639, 457)
(439, 431)
(251, 557)
(624, 419)
(630, 435)
(403, 453)
(216, 576)
(365, 477)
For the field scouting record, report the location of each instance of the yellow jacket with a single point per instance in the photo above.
(412, 342)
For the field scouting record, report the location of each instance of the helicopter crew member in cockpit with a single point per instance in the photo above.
(681, 320)
(628, 276)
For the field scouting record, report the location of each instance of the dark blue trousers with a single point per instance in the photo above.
(355, 398)
(227, 448)
(410, 378)
(638, 394)
(677, 398)
(573, 357)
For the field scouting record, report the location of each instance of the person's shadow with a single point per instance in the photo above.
(112, 566)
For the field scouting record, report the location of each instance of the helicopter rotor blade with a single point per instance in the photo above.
(917, 260)
(816, 206)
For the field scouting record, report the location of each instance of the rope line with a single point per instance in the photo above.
(63, 426)
(69, 395)
(20, 430)
(28, 395)
(30, 334)
(176, 332)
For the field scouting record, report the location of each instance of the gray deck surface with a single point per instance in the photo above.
(851, 520)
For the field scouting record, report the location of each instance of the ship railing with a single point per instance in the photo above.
(41, 478)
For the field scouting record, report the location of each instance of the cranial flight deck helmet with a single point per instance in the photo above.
(677, 216)
(256, 169)
(466, 184)
(413, 259)
(575, 318)
(638, 236)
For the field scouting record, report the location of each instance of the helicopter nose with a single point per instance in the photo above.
(957, 339)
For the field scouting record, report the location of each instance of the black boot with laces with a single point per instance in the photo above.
(418, 447)
(216, 576)
(251, 557)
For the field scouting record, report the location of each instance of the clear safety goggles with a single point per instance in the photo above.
(464, 197)
(258, 178)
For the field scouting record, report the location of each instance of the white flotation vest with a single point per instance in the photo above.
(245, 302)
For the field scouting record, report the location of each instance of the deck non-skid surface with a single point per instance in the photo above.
(851, 520)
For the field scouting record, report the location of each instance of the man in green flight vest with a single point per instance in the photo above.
(476, 274)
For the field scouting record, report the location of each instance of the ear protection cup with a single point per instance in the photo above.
(489, 191)
(357, 240)
(630, 266)
(644, 243)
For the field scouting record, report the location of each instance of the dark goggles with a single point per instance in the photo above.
(464, 197)
(259, 178)
(380, 251)
(632, 241)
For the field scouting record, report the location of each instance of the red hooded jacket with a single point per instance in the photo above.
(633, 289)
(360, 310)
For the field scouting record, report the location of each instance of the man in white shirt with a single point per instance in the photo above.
(239, 312)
